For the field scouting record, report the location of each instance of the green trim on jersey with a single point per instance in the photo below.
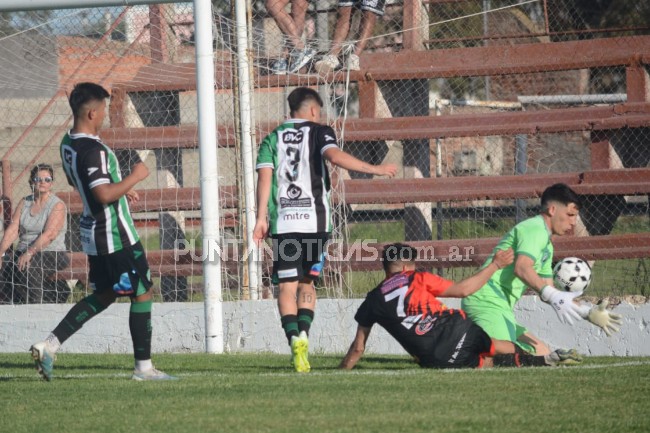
(268, 154)
(299, 200)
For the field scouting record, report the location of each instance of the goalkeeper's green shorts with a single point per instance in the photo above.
(499, 324)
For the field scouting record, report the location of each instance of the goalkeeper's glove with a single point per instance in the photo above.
(599, 316)
(562, 303)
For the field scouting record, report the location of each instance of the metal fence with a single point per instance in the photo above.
(467, 113)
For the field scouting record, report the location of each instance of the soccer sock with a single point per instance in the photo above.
(79, 314)
(52, 342)
(305, 318)
(140, 326)
(290, 326)
(520, 358)
(143, 364)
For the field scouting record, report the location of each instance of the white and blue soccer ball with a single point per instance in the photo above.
(572, 274)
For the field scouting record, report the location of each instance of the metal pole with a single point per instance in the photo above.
(521, 166)
(439, 208)
(208, 163)
(245, 91)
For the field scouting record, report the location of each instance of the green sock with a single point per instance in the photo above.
(305, 319)
(79, 314)
(140, 326)
(290, 326)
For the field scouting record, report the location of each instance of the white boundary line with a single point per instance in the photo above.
(373, 372)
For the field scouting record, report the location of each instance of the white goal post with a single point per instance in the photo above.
(207, 127)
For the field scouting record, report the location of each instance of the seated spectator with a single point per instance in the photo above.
(371, 9)
(292, 26)
(39, 223)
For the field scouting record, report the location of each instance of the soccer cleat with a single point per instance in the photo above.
(300, 352)
(151, 374)
(298, 59)
(327, 64)
(43, 359)
(279, 67)
(564, 357)
(352, 62)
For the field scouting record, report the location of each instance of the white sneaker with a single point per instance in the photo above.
(151, 374)
(327, 64)
(352, 62)
(43, 359)
(279, 67)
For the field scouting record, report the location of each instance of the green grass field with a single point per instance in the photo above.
(260, 393)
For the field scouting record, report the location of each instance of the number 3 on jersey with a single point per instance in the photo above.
(293, 162)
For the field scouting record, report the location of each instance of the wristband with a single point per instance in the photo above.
(584, 310)
(545, 293)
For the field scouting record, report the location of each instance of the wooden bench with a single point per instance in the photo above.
(167, 199)
(446, 253)
(632, 52)
(633, 181)
(630, 115)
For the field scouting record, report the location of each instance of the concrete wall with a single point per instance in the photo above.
(254, 326)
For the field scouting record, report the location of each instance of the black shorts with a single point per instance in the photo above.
(375, 6)
(298, 255)
(126, 272)
(457, 343)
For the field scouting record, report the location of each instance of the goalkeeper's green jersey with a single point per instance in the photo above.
(531, 238)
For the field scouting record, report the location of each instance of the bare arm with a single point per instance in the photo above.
(356, 349)
(110, 192)
(525, 272)
(11, 232)
(344, 160)
(470, 285)
(264, 179)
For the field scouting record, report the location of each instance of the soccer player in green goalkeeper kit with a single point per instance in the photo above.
(492, 307)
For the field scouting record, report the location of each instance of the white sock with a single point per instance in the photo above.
(143, 365)
(53, 344)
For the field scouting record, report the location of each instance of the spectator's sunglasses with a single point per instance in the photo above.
(46, 179)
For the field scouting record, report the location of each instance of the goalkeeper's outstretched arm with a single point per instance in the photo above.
(356, 349)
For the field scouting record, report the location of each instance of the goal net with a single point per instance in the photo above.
(145, 57)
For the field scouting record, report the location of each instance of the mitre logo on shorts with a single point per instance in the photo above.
(292, 136)
(425, 325)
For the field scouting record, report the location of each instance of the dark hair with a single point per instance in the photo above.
(39, 167)
(561, 193)
(397, 253)
(84, 93)
(301, 95)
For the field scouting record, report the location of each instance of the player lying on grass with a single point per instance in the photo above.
(492, 307)
(406, 305)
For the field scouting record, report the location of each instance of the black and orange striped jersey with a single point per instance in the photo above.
(406, 305)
